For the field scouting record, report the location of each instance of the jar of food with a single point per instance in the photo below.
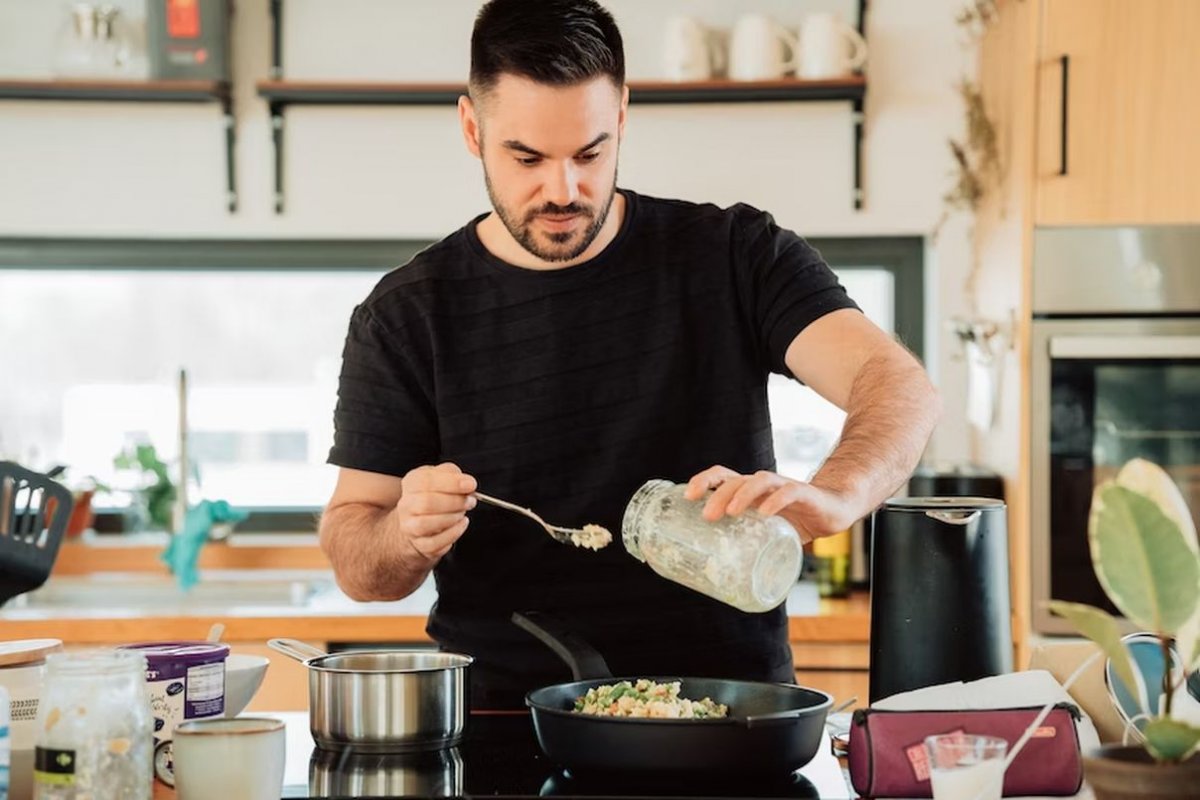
(749, 561)
(94, 728)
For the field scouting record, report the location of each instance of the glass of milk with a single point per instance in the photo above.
(964, 766)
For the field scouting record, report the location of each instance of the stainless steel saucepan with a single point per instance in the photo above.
(383, 701)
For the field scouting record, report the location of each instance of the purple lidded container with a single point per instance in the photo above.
(186, 681)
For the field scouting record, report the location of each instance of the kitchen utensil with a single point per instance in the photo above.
(760, 49)
(940, 608)
(219, 759)
(771, 728)
(591, 536)
(34, 512)
(383, 701)
(828, 47)
(243, 675)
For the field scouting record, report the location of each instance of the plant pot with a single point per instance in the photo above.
(1129, 773)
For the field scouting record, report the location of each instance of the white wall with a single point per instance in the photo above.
(108, 169)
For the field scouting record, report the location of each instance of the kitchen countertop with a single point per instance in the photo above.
(500, 758)
(100, 615)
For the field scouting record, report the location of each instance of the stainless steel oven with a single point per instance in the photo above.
(1115, 375)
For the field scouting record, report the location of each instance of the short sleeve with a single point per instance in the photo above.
(385, 419)
(786, 285)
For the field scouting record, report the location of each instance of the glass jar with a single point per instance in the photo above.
(94, 728)
(749, 561)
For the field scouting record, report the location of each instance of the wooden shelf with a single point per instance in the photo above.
(717, 91)
(139, 92)
(133, 91)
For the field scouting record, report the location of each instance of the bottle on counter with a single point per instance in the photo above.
(94, 728)
(749, 561)
(831, 555)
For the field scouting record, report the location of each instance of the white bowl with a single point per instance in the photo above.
(243, 675)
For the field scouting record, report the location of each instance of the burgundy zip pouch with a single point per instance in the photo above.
(888, 759)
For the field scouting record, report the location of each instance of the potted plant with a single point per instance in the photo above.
(1144, 551)
(157, 492)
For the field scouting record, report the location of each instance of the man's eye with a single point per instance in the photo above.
(530, 161)
(587, 158)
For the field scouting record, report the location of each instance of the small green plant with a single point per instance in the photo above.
(158, 493)
(1144, 551)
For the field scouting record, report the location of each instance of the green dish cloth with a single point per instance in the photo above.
(183, 552)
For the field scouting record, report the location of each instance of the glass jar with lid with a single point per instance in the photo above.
(748, 561)
(94, 728)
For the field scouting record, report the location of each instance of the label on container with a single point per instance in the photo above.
(205, 692)
(53, 767)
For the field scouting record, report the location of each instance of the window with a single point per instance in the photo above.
(97, 331)
(885, 276)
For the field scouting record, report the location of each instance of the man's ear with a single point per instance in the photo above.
(623, 114)
(470, 125)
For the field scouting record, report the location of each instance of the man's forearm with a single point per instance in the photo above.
(366, 551)
(890, 415)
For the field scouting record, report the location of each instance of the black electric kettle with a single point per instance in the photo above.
(940, 609)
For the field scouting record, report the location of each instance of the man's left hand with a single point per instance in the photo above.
(812, 510)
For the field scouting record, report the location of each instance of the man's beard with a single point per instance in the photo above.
(522, 229)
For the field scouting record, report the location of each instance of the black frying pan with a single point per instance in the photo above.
(772, 728)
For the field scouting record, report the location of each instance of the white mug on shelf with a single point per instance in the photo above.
(691, 51)
(828, 48)
(760, 49)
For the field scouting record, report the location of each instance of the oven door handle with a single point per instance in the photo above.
(1092, 347)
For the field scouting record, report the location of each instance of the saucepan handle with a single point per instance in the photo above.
(296, 649)
(581, 657)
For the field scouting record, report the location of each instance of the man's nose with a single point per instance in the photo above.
(562, 188)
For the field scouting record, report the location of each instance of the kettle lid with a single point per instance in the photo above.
(923, 504)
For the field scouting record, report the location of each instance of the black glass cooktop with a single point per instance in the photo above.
(500, 757)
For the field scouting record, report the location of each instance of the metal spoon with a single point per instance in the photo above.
(592, 537)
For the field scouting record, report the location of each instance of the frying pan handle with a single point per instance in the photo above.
(775, 718)
(295, 649)
(581, 657)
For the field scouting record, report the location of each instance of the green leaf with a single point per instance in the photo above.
(1142, 559)
(1170, 739)
(1103, 629)
(1146, 477)
(1187, 642)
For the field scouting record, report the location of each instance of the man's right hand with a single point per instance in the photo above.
(432, 511)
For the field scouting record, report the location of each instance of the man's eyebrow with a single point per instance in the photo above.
(513, 144)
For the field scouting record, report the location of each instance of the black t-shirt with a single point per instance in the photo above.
(564, 391)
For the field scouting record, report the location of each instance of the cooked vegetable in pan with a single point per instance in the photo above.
(646, 698)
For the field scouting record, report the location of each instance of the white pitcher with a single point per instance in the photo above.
(760, 49)
(691, 52)
(828, 47)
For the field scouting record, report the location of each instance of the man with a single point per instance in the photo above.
(570, 345)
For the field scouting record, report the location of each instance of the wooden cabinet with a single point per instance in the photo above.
(1118, 112)
(838, 668)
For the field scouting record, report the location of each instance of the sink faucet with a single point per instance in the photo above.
(181, 498)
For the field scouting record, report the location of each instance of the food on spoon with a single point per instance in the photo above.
(593, 537)
(646, 698)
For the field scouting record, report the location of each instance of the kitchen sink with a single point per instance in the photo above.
(159, 594)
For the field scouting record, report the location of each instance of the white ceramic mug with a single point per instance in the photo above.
(220, 759)
(760, 49)
(691, 52)
(828, 47)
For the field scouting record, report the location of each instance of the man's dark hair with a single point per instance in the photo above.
(555, 42)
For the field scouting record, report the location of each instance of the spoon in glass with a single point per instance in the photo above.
(593, 537)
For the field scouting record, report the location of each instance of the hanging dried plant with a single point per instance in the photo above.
(976, 16)
(977, 156)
